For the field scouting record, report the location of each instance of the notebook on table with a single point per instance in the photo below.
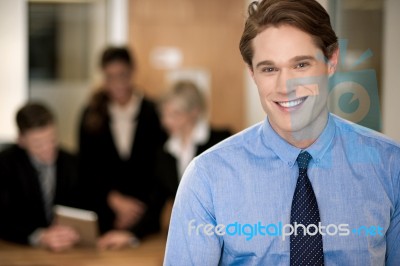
(83, 221)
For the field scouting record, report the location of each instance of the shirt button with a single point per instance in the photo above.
(289, 163)
(317, 160)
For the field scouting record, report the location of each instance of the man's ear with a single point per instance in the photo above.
(21, 141)
(333, 62)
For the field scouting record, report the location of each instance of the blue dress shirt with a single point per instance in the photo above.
(246, 183)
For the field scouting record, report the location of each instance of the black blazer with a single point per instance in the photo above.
(21, 203)
(103, 170)
(167, 171)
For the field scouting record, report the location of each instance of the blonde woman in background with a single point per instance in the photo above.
(184, 116)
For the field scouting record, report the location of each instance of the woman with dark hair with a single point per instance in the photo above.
(119, 135)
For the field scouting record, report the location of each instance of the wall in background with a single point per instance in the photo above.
(80, 36)
(201, 35)
(108, 25)
(103, 22)
(13, 75)
(391, 70)
(117, 22)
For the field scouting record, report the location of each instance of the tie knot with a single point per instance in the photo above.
(303, 159)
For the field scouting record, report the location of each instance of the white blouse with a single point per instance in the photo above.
(123, 125)
(185, 154)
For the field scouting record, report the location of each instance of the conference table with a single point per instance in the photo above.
(150, 252)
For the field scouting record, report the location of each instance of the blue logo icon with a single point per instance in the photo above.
(354, 95)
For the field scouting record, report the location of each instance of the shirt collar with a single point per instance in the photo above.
(289, 153)
(128, 111)
(39, 165)
(324, 141)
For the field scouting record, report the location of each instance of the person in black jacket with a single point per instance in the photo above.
(119, 135)
(183, 115)
(34, 176)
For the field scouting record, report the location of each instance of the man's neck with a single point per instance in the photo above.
(306, 136)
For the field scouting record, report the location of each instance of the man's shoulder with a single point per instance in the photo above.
(11, 153)
(13, 161)
(360, 134)
(233, 145)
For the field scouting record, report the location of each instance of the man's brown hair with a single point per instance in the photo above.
(32, 116)
(306, 15)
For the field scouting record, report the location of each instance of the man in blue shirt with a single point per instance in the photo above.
(304, 187)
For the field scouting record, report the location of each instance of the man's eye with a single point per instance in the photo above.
(302, 65)
(268, 69)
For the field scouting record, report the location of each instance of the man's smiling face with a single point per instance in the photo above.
(291, 76)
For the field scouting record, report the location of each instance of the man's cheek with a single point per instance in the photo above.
(307, 90)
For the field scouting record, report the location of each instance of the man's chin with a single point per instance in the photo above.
(291, 127)
(286, 127)
(48, 161)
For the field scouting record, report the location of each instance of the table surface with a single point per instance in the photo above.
(149, 253)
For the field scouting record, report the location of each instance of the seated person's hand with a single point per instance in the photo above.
(128, 210)
(58, 238)
(116, 239)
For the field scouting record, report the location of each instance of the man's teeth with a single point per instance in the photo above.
(292, 103)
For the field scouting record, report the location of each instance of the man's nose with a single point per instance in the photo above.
(283, 85)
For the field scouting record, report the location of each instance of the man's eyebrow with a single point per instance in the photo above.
(302, 57)
(265, 63)
(294, 59)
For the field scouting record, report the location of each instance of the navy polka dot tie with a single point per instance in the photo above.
(305, 249)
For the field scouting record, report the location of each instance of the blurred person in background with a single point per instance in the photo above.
(119, 135)
(184, 116)
(35, 175)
